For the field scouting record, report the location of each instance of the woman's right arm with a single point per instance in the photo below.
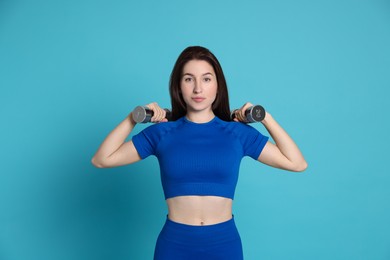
(114, 151)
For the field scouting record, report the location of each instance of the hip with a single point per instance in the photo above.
(182, 241)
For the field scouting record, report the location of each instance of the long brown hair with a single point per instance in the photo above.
(220, 105)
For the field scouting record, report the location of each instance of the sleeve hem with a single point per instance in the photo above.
(260, 147)
(138, 147)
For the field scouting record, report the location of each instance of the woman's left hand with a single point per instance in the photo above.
(240, 113)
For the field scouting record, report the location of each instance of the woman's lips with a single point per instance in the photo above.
(198, 99)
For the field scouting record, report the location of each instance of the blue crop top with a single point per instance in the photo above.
(199, 158)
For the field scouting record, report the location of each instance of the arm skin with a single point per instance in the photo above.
(284, 154)
(114, 151)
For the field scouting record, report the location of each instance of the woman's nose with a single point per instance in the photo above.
(197, 88)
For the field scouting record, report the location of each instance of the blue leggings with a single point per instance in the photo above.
(178, 241)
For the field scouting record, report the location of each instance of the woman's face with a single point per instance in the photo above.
(198, 85)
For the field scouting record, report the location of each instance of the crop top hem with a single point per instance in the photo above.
(198, 189)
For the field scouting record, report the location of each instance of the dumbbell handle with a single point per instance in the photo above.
(142, 114)
(252, 114)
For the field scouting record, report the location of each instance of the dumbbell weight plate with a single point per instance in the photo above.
(141, 114)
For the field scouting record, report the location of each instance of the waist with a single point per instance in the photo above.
(199, 210)
(202, 236)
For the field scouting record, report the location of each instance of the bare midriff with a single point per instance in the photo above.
(199, 210)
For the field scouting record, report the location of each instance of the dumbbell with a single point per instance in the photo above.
(142, 114)
(252, 114)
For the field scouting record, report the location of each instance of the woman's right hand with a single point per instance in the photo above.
(159, 114)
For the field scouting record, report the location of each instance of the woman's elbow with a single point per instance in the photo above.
(300, 167)
(97, 163)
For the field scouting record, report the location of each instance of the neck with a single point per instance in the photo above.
(200, 117)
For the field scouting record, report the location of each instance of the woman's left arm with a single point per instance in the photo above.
(284, 154)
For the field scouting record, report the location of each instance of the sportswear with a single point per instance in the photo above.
(178, 241)
(199, 158)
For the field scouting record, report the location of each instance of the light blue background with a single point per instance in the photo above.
(70, 71)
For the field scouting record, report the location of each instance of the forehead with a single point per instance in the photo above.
(198, 67)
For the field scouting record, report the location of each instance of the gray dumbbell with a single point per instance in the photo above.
(252, 114)
(143, 114)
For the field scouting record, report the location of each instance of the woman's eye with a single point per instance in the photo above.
(207, 79)
(187, 79)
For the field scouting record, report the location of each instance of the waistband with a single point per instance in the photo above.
(200, 235)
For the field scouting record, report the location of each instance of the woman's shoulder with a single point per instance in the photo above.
(162, 127)
(233, 125)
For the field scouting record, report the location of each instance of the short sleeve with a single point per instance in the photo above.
(145, 142)
(253, 141)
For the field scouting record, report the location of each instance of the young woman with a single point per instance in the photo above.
(199, 154)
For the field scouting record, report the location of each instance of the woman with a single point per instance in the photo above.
(199, 153)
